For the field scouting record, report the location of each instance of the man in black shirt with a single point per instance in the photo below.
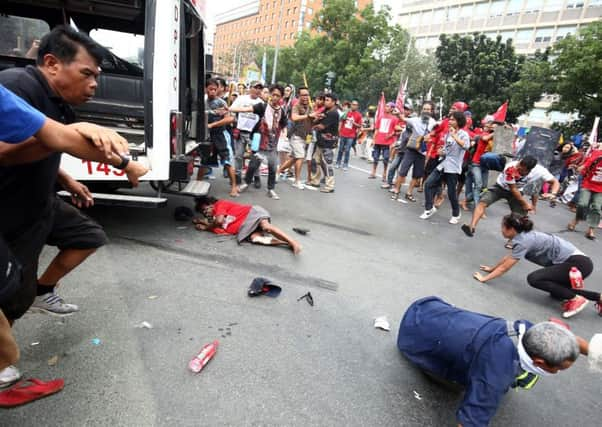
(328, 132)
(32, 215)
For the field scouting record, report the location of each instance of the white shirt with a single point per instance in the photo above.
(511, 176)
(246, 121)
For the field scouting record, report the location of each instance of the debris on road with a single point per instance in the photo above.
(33, 344)
(95, 341)
(204, 356)
(262, 286)
(144, 325)
(417, 395)
(153, 297)
(382, 323)
(53, 361)
(308, 297)
(302, 231)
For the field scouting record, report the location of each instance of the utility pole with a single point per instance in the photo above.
(234, 61)
(277, 42)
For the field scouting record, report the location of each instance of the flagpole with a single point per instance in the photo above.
(277, 43)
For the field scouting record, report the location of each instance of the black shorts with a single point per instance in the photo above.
(61, 225)
(10, 273)
(412, 158)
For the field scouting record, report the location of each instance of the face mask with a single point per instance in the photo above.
(525, 360)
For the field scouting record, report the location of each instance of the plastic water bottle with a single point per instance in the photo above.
(576, 278)
(204, 356)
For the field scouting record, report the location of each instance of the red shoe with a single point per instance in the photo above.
(29, 390)
(573, 306)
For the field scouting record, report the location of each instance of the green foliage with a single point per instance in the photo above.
(367, 54)
(578, 72)
(479, 71)
(535, 80)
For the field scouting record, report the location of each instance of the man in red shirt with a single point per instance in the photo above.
(386, 129)
(351, 122)
(590, 198)
(246, 222)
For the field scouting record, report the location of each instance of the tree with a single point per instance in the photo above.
(535, 79)
(367, 54)
(479, 71)
(578, 70)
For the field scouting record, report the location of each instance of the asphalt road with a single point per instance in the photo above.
(282, 362)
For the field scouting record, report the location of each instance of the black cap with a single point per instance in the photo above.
(263, 286)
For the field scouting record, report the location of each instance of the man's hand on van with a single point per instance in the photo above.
(135, 170)
(106, 140)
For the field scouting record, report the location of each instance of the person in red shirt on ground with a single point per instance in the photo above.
(350, 124)
(386, 128)
(590, 198)
(246, 222)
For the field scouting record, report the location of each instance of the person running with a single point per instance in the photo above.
(350, 124)
(557, 256)
(482, 355)
(510, 182)
(386, 130)
(301, 118)
(218, 121)
(457, 142)
(590, 198)
(272, 121)
(246, 222)
(414, 156)
(327, 129)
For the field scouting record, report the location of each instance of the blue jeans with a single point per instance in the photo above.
(345, 145)
(474, 184)
(394, 166)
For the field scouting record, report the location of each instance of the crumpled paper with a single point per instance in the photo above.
(381, 322)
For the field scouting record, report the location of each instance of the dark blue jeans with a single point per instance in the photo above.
(394, 166)
(432, 186)
(345, 145)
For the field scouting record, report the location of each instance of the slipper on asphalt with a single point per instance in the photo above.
(302, 231)
(590, 237)
(29, 390)
(467, 230)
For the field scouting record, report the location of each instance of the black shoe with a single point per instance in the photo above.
(256, 182)
(467, 230)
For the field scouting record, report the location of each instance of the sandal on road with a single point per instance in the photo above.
(29, 390)
(394, 195)
(410, 198)
(571, 226)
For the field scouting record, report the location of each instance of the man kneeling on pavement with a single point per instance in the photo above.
(485, 355)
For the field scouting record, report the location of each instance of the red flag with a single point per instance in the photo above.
(400, 97)
(500, 114)
(380, 110)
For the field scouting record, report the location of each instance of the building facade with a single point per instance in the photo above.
(257, 23)
(531, 24)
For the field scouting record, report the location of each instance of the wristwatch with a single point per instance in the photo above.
(124, 162)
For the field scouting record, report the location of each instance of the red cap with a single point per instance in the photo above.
(460, 106)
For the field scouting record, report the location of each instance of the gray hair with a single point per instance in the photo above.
(551, 342)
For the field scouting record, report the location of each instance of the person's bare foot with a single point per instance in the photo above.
(296, 247)
(438, 202)
(572, 225)
(234, 193)
(463, 205)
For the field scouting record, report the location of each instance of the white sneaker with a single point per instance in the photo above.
(429, 213)
(455, 219)
(299, 186)
(9, 376)
(51, 303)
(242, 187)
(272, 194)
(345, 169)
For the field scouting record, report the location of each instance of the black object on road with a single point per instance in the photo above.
(262, 286)
(302, 231)
(183, 213)
(308, 298)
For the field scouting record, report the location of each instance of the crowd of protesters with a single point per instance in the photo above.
(295, 135)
